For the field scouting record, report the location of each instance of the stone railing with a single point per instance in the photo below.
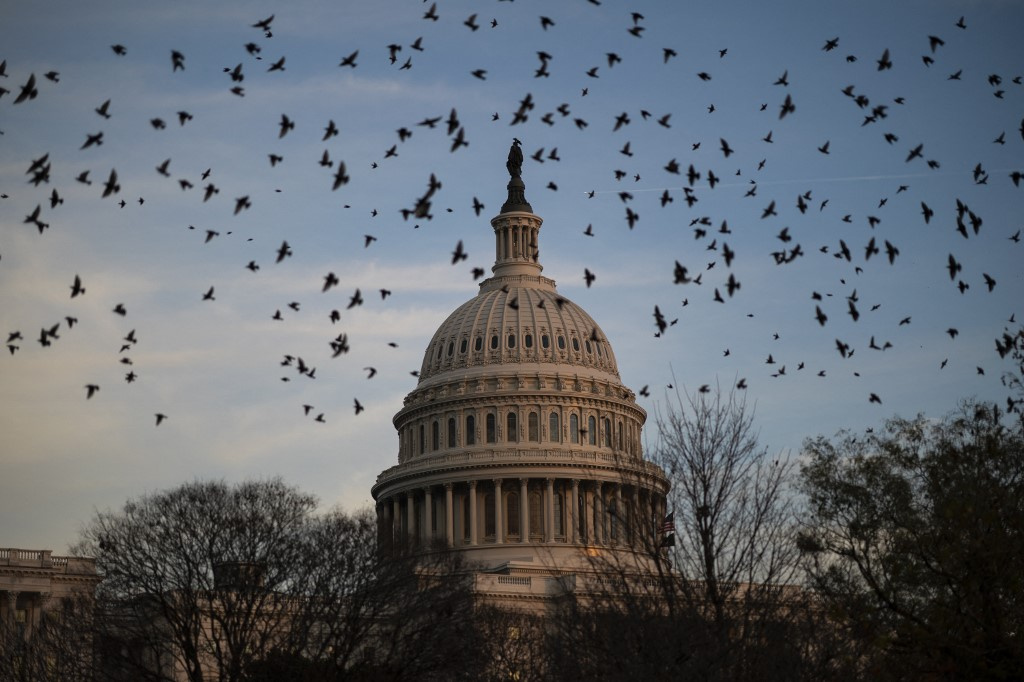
(43, 558)
(540, 457)
(512, 584)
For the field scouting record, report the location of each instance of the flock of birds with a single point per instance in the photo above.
(712, 235)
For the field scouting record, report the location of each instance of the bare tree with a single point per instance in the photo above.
(914, 537)
(730, 499)
(716, 599)
(199, 580)
(211, 581)
(59, 647)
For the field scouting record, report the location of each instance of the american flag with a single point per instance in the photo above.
(668, 524)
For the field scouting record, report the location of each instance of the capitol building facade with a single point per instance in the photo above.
(520, 447)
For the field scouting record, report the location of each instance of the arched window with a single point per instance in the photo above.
(561, 342)
(462, 346)
(511, 428)
(528, 340)
(470, 430)
(536, 515)
(489, 515)
(435, 436)
(511, 340)
(478, 344)
(607, 432)
(576, 344)
(620, 435)
(545, 341)
(451, 348)
(451, 432)
(494, 342)
(512, 514)
(574, 428)
(591, 430)
(533, 428)
(491, 428)
(423, 440)
(554, 433)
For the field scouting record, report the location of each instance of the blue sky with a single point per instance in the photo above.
(213, 366)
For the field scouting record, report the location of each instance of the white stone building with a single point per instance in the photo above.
(520, 446)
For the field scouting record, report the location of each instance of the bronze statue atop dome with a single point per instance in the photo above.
(515, 159)
(516, 188)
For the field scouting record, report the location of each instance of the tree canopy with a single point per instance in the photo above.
(914, 539)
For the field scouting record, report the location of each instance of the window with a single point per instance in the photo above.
(576, 344)
(439, 348)
(528, 340)
(423, 440)
(491, 428)
(489, 514)
(536, 515)
(554, 433)
(533, 428)
(587, 346)
(512, 428)
(470, 430)
(574, 428)
(511, 340)
(561, 342)
(545, 341)
(512, 515)
(607, 433)
(620, 435)
(462, 346)
(494, 342)
(435, 436)
(451, 348)
(591, 430)
(451, 432)
(478, 345)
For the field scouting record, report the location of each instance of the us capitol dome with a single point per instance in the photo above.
(520, 446)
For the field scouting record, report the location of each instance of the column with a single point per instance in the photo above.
(41, 605)
(634, 517)
(449, 516)
(497, 512)
(410, 511)
(12, 604)
(549, 511)
(428, 516)
(588, 517)
(472, 514)
(574, 525)
(598, 513)
(620, 515)
(524, 511)
(396, 519)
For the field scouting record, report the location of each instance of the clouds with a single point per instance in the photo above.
(214, 366)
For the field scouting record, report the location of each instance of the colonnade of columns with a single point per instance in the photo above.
(521, 510)
(32, 604)
(516, 242)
